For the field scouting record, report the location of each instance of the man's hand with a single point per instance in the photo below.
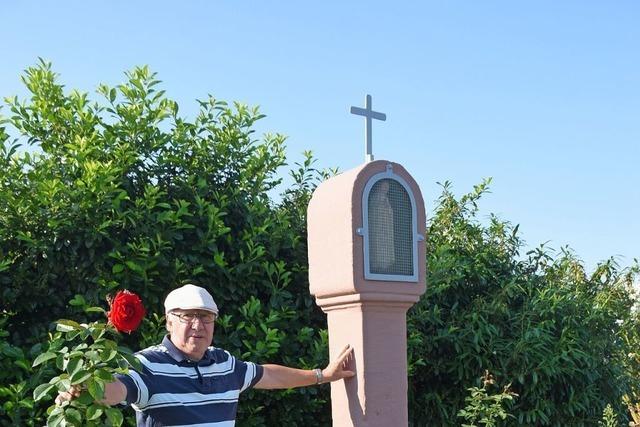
(65, 396)
(279, 377)
(341, 367)
(114, 393)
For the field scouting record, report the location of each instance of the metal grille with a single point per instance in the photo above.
(390, 229)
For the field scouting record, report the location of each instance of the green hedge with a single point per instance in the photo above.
(563, 341)
(125, 193)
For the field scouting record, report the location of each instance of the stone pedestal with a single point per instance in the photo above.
(366, 295)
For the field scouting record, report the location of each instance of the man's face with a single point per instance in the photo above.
(192, 337)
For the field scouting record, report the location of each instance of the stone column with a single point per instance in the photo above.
(367, 307)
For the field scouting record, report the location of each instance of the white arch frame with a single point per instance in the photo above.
(364, 231)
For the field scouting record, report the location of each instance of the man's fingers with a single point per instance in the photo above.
(343, 362)
(340, 366)
(346, 351)
(62, 397)
(65, 396)
(348, 374)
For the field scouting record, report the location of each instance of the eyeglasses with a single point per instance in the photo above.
(205, 318)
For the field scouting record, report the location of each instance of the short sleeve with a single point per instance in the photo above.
(137, 391)
(248, 374)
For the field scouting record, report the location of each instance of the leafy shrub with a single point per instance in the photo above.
(17, 381)
(560, 337)
(609, 418)
(486, 409)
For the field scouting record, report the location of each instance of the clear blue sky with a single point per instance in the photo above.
(542, 96)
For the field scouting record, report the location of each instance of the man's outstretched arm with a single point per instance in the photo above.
(114, 393)
(277, 376)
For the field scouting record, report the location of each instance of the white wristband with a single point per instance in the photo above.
(319, 377)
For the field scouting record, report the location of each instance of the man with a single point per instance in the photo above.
(184, 381)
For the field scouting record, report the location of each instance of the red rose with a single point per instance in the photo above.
(126, 311)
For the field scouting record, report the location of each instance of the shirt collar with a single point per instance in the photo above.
(178, 355)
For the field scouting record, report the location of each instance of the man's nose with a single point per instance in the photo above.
(197, 323)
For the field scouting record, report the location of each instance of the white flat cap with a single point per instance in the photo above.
(190, 297)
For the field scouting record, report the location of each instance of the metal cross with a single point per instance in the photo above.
(369, 114)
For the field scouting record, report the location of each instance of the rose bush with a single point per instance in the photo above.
(87, 355)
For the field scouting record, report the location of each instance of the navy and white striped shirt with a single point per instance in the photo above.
(171, 390)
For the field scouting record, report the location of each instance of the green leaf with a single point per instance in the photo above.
(94, 412)
(55, 419)
(74, 366)
(96, 389)
(108, 354)
(132, 361)
(97, 333)
(115, 416)
(218, 258)
(85, 398)
(42, 390)
(64, 383)
(23, 364)
(73, 415)
(78, 300)
(134, 267)
(43, 358)
(65, 325)
(103, 374)
(71, 335)
(80, 376)
(92, 355)
(117, 268)
(54, 410)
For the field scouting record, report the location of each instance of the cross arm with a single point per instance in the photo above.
(368, 113)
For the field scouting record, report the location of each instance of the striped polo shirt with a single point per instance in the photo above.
(172, 390)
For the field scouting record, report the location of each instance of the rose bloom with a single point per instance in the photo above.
(126, 311)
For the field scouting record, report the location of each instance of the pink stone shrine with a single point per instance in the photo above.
(366, 269)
